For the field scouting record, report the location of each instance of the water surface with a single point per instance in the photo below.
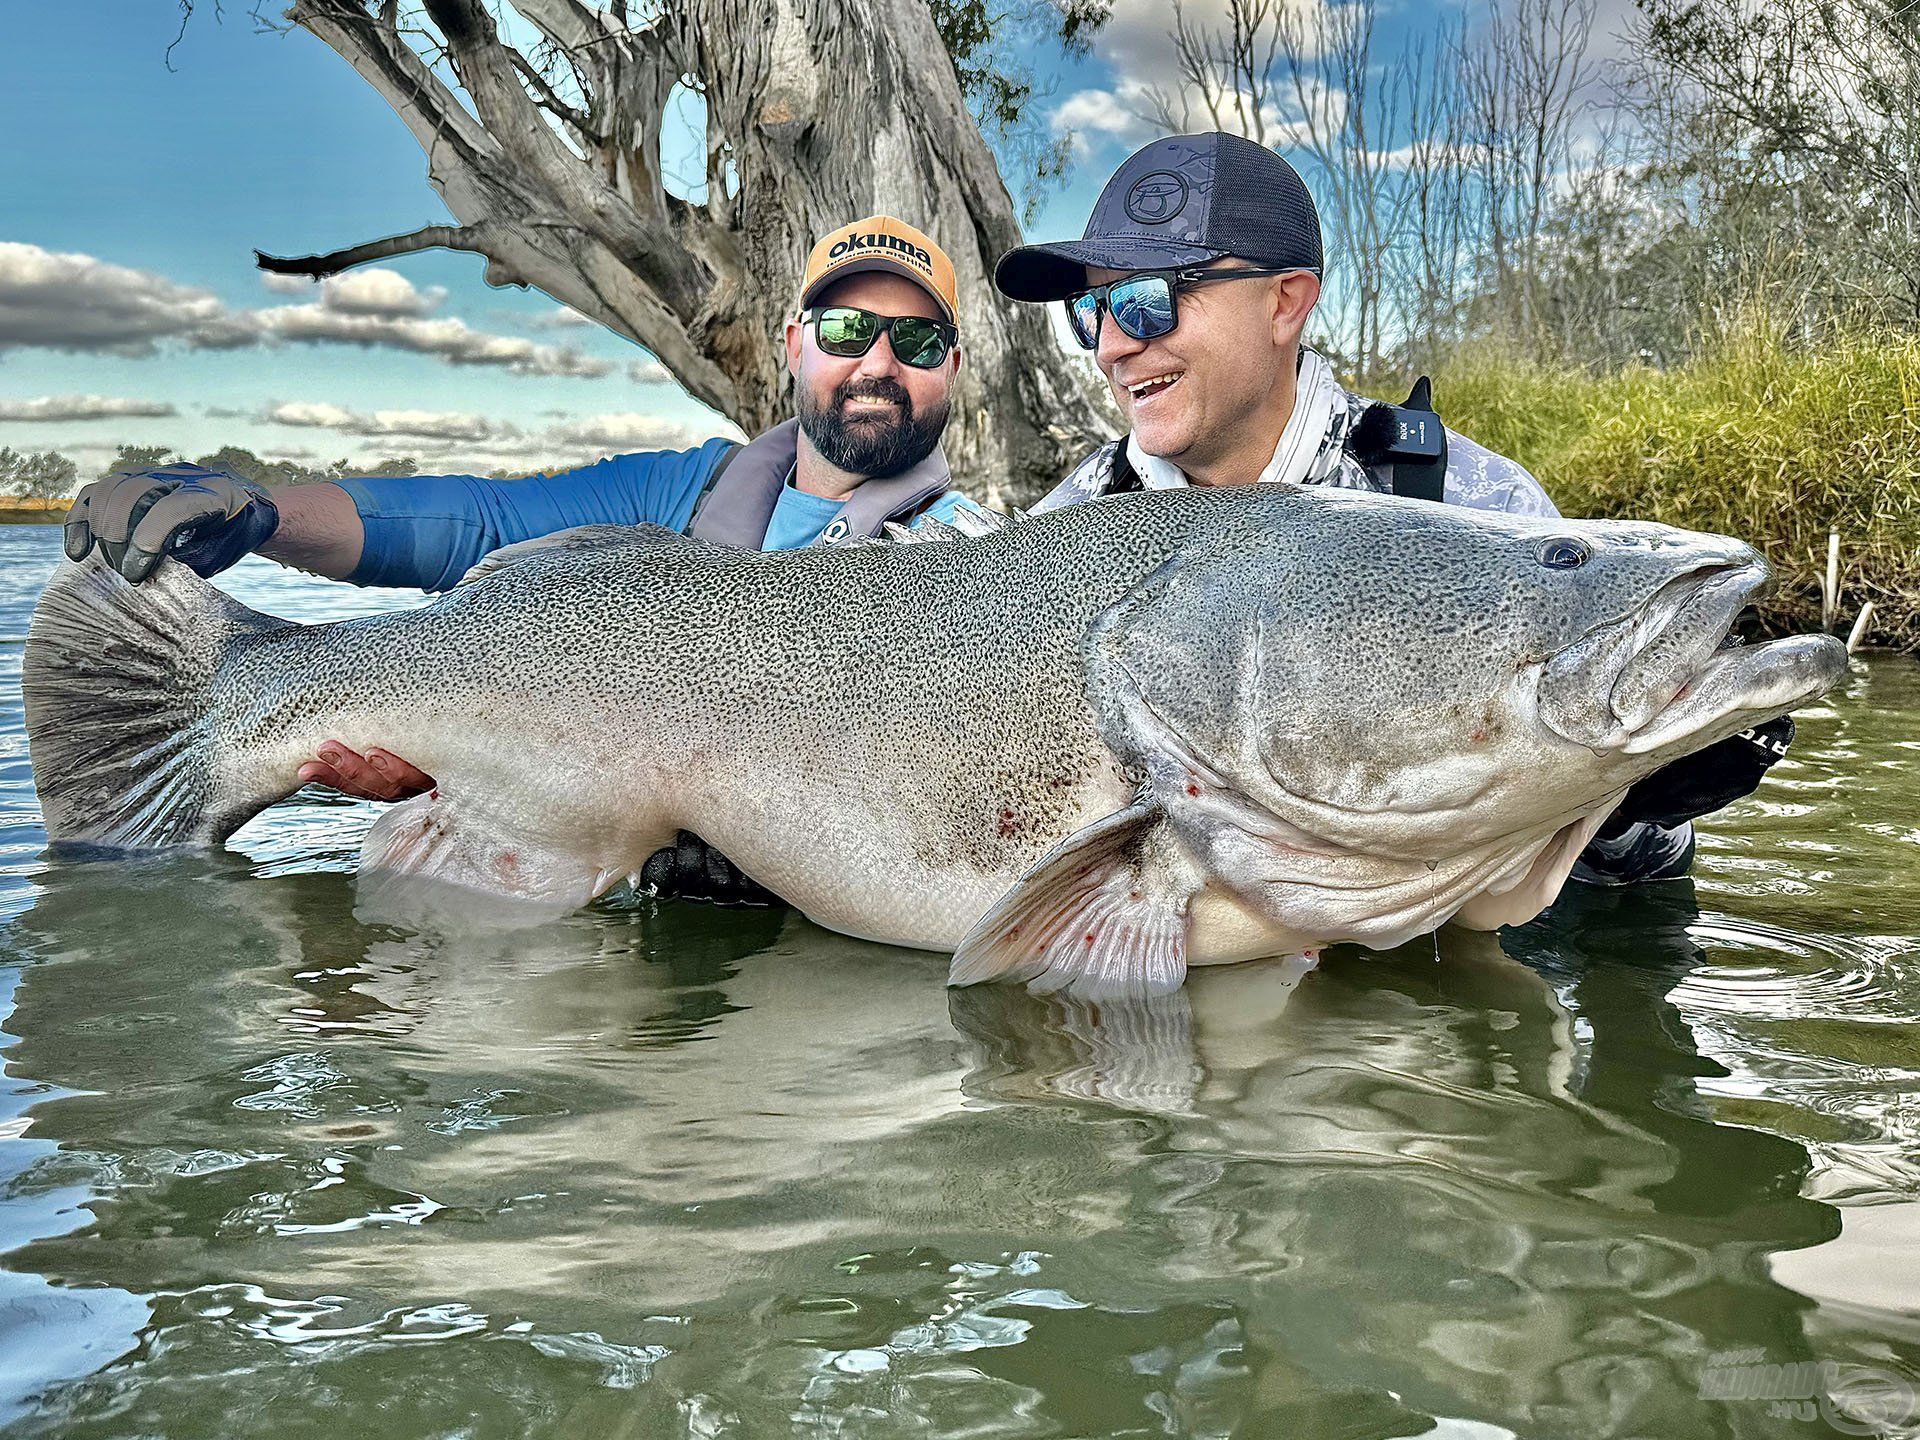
(671, 1170)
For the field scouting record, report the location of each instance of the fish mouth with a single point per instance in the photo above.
(1680, 632)
(1678, 669)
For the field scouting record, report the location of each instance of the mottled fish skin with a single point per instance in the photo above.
(797, 709)
(1324, 714)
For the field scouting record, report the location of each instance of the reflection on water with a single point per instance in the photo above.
(661, 1170)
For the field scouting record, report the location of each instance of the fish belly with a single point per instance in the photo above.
(878, 860)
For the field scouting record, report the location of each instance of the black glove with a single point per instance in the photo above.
(1705, 781)
(203, 518)
(690, 869)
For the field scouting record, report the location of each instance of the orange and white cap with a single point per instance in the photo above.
(880, 242)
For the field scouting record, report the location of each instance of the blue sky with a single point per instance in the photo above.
(162, 181)
(269, 140)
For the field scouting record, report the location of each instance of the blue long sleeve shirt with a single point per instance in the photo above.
(426, 531)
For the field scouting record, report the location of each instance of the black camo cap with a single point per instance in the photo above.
(1178, 201)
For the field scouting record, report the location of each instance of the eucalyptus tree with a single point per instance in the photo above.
(549, 127)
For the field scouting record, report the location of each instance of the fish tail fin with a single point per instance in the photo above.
(119, 681)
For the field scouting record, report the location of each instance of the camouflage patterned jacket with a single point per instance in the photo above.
(1476, 476)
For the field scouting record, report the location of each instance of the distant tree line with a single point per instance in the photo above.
(42, 475)
(50, 475)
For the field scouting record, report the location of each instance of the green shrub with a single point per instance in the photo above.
(1767, 441)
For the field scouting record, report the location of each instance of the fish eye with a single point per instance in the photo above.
(1564, 553)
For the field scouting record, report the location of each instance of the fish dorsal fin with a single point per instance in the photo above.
(967, 523)
(894, 533)
(580, 537)
(1102, 915)
(973, 522)
(923, 531)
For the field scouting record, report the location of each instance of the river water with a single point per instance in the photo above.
(1645, 1167)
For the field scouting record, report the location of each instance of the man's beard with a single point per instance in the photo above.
(874, 446)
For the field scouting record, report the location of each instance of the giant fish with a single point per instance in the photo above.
(1087, 750)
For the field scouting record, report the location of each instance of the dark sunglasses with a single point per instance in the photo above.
(1143, 305)
(847, 331)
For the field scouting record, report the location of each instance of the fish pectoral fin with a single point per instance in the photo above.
(1102, 915)
(429, 862)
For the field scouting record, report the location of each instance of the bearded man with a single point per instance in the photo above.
(873, 351)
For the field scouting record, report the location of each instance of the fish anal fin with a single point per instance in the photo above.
(429, 861)
(1100, 916)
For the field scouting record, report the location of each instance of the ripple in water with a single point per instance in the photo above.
(669, 1170)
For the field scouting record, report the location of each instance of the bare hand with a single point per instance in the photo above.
(377, 775)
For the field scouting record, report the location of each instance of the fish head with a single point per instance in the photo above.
(1411, 678)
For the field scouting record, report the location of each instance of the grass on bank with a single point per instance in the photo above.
(1754, 438)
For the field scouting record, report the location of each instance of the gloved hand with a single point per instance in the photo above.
(136, 518)
(690, 869)
(1704, 781)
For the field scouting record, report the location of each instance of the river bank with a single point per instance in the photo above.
(15, 510)
(1775, 443)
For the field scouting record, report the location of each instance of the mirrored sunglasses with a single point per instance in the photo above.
(1144, 304)
(849, 332)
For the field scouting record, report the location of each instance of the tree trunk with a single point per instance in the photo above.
(818, 112)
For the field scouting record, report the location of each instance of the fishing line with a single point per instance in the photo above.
(1433, 907)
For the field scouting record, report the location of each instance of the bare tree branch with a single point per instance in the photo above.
(428, 237)
(553, 104)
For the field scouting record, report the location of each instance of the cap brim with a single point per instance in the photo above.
(868, 264)
(1053, 272)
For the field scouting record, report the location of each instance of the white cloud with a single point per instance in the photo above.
(1137, 44)
(63, 300)
(1137, 38)
(68, 301)
(456, 441)
(624, 432)
(649, 372)
(450, 339)
(407, 424)
(60, 408)
(375, 291)
(439, 425)
(1101, 112)
(378, 292)
(316, 415)
(561, 317)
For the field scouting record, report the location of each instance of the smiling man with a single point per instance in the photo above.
(873, 352)
(1192, 285)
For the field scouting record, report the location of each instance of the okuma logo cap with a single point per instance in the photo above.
(880, 242)
(1178, 201)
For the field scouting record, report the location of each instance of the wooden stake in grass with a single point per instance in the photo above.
(1859, 627)
(1830, 583)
